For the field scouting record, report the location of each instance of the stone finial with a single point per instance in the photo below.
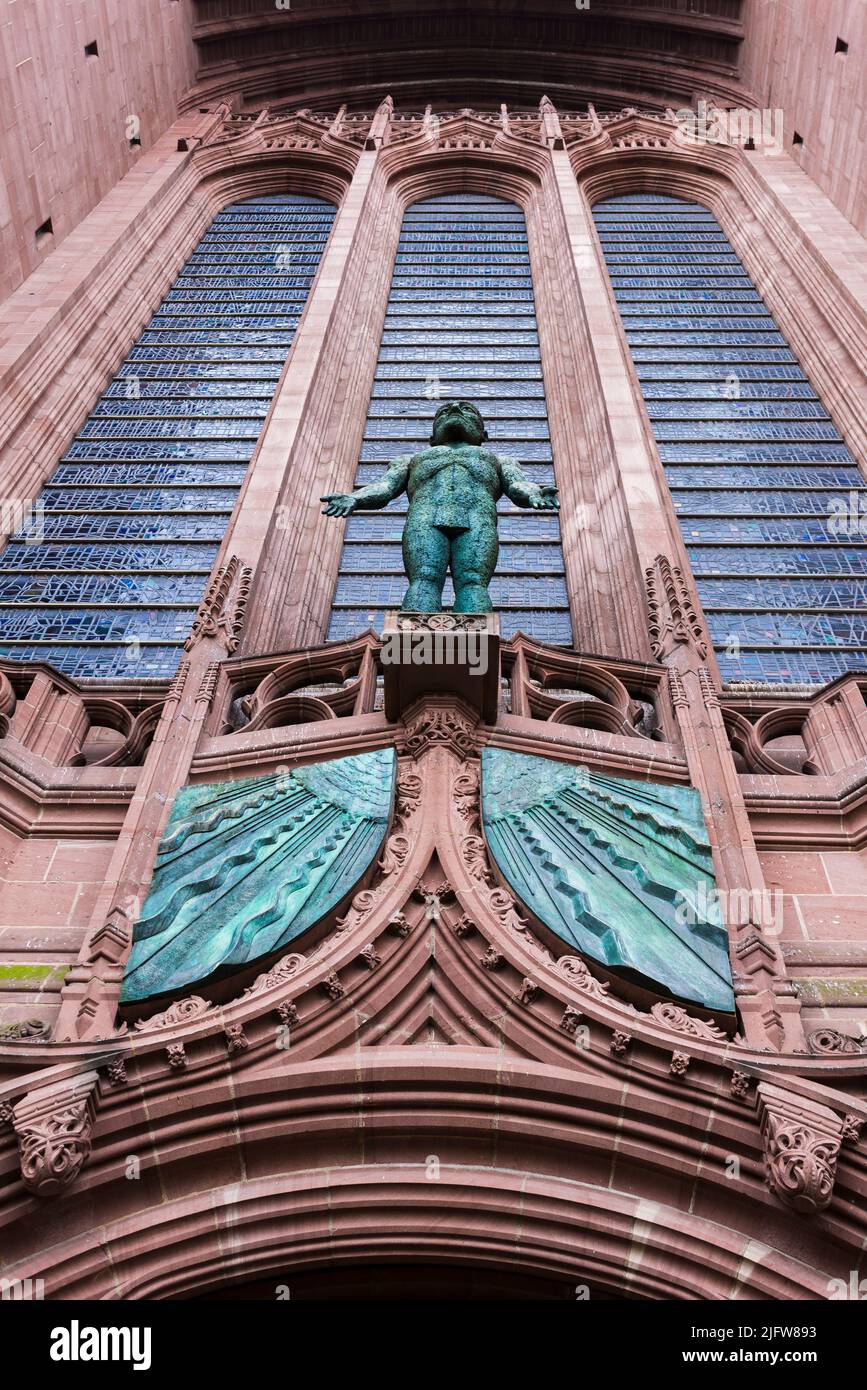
(220, 614)
(802, 1141)
(672, 619)
(377, 136)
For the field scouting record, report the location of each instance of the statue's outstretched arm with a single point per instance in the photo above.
(378, 494)
(524, 493)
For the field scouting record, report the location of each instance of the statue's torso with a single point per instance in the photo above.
(459, 485)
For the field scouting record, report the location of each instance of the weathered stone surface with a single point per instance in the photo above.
(245, 866)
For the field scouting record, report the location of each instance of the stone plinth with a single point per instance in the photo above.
(452, 653)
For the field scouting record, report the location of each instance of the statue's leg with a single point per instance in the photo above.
(426, 560)
(474, 555)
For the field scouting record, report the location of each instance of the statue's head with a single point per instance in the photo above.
(457, 421)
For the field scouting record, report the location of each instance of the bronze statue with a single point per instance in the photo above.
(453, 489)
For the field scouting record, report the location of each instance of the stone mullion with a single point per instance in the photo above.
(333, 467)
(634, 509)
(273, 528)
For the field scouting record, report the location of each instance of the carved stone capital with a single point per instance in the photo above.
(54, 1126)
(802, 1141)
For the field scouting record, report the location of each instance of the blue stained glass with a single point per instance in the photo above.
(756, 501)
(741, 595)
(789, 667)
(95, 624)
(755, 453)
(81, 559)
(100, 660)
(134, 513)
(739, 426)
(139, 499)
(121, 590)
(460, 324)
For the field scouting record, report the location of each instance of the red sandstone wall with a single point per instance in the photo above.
(823, 915)
(49, 888)
(789, 62)
(63, 116)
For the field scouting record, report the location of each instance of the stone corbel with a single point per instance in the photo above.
(802, 1141)
(54, 1125)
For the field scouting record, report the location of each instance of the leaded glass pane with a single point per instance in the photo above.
(105, 579)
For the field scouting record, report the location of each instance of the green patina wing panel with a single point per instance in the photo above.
(620, 870)
(244, 867)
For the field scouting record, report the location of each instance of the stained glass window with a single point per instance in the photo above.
(772, 506)
(102, 579)
(460, 325)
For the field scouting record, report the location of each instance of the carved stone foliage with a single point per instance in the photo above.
(619, 870)
(184, 1011)
(25, 1030)
(432, 723)
(802, 1142)
(54, 1127)
(679, 1021)
(284, 970)
(672, 619)
(245, 866)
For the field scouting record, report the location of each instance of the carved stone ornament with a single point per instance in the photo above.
(680, 1063)
(184, 1011)
(54, 1127)
(802, 1141)
(578, 974)
(828, 1042)
(571, 1020)
(433, 725)
(284, 970)
(673, 621)
(676, 1018)
(620, 1043)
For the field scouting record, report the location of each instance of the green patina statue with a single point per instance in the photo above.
(453, 489)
